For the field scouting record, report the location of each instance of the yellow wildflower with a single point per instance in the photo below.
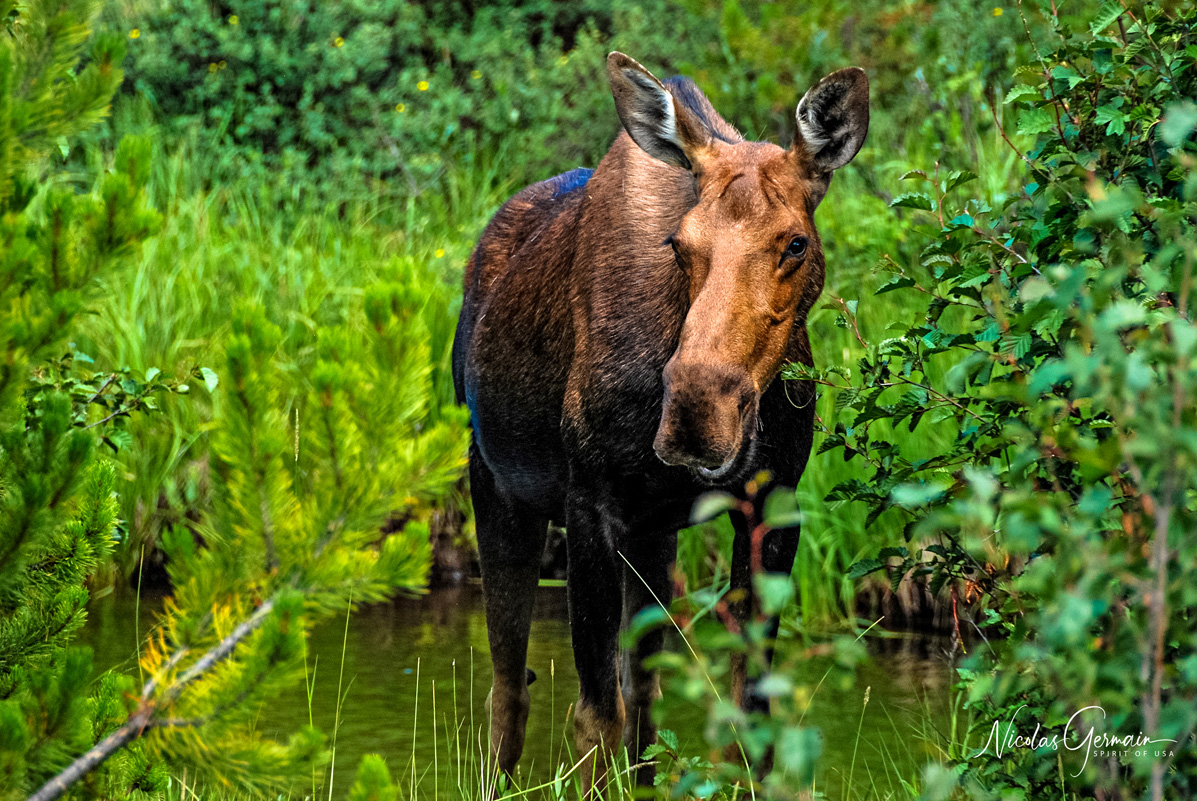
(233, 20)
(339, 42)
(997, 11)
(476, 74)
(400, 107)
(222, 64)
(212, 67)
(422, 86)
(440, 253)
(133, 34)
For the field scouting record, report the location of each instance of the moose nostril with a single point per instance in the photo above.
(703, 413)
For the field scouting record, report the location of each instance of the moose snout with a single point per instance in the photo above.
(708, 412)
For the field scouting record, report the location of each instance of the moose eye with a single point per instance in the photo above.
(797, 247)
(677, 254)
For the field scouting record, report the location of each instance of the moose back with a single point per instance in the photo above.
(620, 338)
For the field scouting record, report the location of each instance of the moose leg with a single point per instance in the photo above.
(646, 583)
(594, 615)
(778, 549)
(510, 544)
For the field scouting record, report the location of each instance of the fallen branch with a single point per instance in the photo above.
(146, 716)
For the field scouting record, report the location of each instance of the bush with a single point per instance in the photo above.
(331, 95)
(1058, 344)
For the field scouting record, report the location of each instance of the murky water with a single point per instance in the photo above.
(416, 674)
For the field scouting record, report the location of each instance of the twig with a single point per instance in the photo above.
(100, 391)
(120, 410)
(852, 319)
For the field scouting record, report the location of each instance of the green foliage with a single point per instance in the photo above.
(331, 95)
(308, 468)
(58, 512)
(373, 781)
(390, 90)
(701, 674)
(1056, 344)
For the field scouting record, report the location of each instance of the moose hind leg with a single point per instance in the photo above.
(510, 545)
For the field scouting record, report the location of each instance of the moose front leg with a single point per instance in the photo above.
(778, 548)
(595, 607)
(647, 582)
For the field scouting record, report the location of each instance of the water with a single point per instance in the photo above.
(404, 658)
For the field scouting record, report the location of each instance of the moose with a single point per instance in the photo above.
(620, 336)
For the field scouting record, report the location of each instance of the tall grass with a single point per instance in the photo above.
(308, 266)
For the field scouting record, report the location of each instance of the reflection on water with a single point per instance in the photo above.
(404, 659)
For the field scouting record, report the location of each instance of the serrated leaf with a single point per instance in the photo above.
(1020, 91)
(897, 282)
(846, 398)
(1033, 121)
(1105, 17)
(864, 567)
(913, 200)
(959, 178)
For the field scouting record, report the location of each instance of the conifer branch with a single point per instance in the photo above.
(145, 717)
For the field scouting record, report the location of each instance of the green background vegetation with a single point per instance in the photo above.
(279, 124)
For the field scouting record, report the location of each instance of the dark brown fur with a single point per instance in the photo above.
(611, 380)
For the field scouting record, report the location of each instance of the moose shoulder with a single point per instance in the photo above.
(619, 338)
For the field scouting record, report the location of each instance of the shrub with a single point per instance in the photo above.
(1061, 322)
(332, 95)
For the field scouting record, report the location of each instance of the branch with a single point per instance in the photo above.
(146, 717)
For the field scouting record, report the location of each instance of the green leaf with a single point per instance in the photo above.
(710, 505)
(781, 508)
(211, 379)
(959, 178)
(798, 751)
(864, 567)
(1033, 121)
(1179, 121)
(915, 495)
(897, 282)
(1110, 11)
(1021, 91)
(774, 591)
(1114, 118)
(913, 200)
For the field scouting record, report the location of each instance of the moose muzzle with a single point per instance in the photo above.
(709, 412)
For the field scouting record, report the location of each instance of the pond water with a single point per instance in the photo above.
(405, 659)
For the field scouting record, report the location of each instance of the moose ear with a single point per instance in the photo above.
(833, 119)
(662, 127)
